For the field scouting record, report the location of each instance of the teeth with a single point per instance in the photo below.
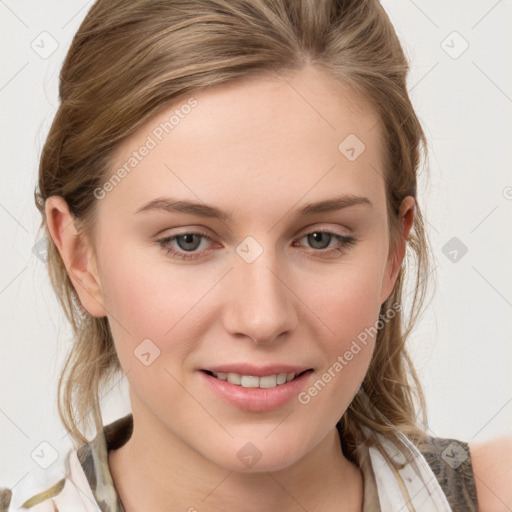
(250, 381)
(234, 378)
(281, 378)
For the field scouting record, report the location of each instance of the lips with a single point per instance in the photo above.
(252, 397)
(257, 371)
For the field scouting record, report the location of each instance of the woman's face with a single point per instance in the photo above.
(254, 289)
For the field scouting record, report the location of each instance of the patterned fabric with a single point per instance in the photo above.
(453, 470)
(87, 485)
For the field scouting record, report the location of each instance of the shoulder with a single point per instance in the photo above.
(492, 466)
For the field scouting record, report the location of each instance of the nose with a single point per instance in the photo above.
(261, 305)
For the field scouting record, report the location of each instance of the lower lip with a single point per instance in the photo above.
(257, 399)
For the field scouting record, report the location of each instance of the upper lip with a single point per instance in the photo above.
(257, 371)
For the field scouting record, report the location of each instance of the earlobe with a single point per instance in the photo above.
(396, 256)
(76, 254)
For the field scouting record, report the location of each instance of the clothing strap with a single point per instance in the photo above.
(450, 461)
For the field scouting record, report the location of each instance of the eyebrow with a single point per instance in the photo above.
(169, 204)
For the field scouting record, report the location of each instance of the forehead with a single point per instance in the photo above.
(299, 135)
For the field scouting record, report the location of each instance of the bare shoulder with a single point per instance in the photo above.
(492, 467)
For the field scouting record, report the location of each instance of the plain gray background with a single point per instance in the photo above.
(461, 86)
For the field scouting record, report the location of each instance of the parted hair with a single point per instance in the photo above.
(131, 58)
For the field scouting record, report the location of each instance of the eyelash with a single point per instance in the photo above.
(346, 242)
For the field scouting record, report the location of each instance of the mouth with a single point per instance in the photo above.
(253, 381)
(274, 387)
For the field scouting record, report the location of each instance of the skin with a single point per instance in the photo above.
(261, 150)
(493, 473)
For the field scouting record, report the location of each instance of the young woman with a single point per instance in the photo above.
(229, 191)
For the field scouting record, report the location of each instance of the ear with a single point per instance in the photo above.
(77, 255)
(396, 256)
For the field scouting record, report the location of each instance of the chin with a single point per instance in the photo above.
(245, 456)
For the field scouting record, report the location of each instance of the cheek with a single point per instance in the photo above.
(149, 300)
(348, 310)
(346, 307)
(346, 300)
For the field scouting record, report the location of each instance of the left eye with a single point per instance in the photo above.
(189, 242)
(316, 238)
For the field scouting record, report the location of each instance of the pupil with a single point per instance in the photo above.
(317, 236)
(188, 240)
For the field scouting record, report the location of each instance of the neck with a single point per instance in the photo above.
(156, 471)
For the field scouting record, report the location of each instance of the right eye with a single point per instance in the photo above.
(186, 242)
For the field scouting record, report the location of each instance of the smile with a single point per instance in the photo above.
(257, 393)
(252, 381)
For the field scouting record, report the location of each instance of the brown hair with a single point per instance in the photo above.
(130, 59)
